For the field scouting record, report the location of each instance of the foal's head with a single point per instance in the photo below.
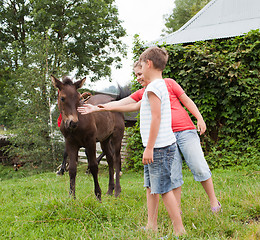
(68, 100)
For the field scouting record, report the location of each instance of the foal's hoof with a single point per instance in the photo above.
(98, 196)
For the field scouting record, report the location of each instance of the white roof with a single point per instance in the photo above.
(218, 19)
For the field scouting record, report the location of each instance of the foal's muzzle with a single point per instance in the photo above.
(71, 123)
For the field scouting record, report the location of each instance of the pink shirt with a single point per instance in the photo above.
(180, 118)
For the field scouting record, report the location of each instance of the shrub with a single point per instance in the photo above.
(222, 78)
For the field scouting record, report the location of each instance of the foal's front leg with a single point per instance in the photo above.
(73, 156)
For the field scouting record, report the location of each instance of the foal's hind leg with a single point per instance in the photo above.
(110, 155)
(63, 165)
(100, 157)
(117, 165)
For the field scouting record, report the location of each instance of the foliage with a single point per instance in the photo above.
(134, 147)
(33, 141)
(39, 207)
(134, 144)
(7, 96)
(222, 78)
(87, 33)
(38, 38)
(84, 35)
(183, 11)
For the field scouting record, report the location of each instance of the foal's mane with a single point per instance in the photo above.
(67, 81)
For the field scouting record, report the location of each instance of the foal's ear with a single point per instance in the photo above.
(80, 83)
(56, 82)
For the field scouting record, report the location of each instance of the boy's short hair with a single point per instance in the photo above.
(158, 56)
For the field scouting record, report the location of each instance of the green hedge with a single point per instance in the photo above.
(222, 78)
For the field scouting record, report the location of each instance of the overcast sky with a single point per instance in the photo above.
(143, 17)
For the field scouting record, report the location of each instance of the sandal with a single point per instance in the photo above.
(217, 208)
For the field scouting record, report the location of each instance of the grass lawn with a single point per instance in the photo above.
(38, 206)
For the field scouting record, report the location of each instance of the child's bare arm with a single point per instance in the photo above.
(155, 104)
(88, 108)
(191, 106)
(121, 102)
(132, 107)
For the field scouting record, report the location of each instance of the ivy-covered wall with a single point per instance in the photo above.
(222, 77)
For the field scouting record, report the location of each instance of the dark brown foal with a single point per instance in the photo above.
(85, 130)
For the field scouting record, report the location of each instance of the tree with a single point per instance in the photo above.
(6, 109)
(44, 37)
(87, 33)
(184, 10)
(84, 35)
(12, 47)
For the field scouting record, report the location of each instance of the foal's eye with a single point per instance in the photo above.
(62, 99)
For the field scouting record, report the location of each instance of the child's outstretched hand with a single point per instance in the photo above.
(88, 108)
(201, 126)
(147, 156)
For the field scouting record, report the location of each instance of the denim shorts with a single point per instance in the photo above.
(188, 143)
(157, 175)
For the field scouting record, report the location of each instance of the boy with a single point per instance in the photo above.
(158, 138)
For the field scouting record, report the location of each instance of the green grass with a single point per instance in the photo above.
(38, 206)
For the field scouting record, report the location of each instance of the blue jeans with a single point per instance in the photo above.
(157, 175)
(188, 143)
